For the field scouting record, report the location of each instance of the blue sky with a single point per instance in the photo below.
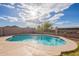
(10, 16)
(71, 16)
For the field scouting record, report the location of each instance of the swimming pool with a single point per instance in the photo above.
(39, 38)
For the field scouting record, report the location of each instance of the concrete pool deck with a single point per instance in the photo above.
(33, 49)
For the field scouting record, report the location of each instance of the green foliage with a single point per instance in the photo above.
(44, 27)
(40, 29)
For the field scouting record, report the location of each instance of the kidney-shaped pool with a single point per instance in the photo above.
(41, 39)
(39, 44)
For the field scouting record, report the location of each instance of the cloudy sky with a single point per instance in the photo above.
(33, 14)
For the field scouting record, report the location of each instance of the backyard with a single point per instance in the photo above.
(72, 53)
(39, 29)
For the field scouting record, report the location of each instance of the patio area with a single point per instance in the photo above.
(33, 49)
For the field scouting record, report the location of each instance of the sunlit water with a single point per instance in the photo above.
(40, 39)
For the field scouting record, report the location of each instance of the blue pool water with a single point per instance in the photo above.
(42, 39)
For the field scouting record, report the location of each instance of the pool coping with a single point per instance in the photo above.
(69, 46)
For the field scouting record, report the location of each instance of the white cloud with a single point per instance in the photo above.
(39, 11)
(8, 18)
(11, 19)
(3, 18)
(30, 24)
(56, 17)
(61, 6)
(62, 22)
(36, 12)
(9, 6)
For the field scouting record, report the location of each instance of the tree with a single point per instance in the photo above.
(39, 29)
(44, 27)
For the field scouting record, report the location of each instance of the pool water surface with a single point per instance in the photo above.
(39, 38)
